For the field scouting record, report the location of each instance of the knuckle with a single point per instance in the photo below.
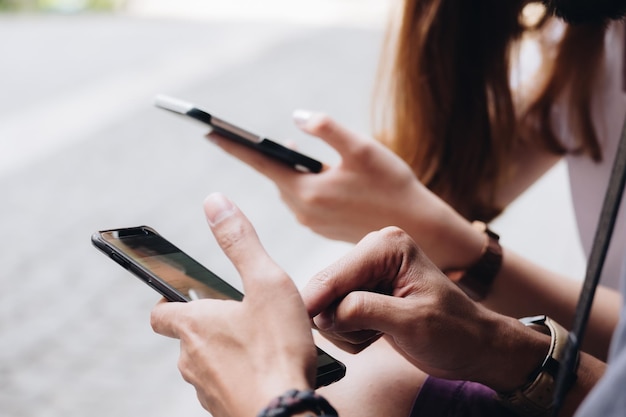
(431, 322)
(356, 305)
(230, 237)
(155, 320)
(311, 204)
(183, 369)
(390, 237)
(324, 278)
(306, 220)
(186, 328)
(279, 279)
(270, 280)
(364, 152)
(189, 324)
(310, 220)
(324, 283)
(401, 240)
(309, 197)
(393, 233)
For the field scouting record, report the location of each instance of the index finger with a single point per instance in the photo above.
(373, 264)
(164, 317)
(321, 125)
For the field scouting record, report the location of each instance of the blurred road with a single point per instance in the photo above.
(82, 149)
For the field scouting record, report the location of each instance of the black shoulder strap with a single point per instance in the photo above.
(595, 263)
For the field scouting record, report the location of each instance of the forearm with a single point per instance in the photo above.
(529, 349)
(523, 288)
(444, 235)
(526, 163)
(590, 370)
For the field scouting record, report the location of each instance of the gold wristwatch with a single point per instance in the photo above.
(536, 398)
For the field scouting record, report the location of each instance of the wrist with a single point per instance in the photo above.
(470, 246)
(524, 363)
(297, 403)
(516, 353)
(447, 238)
(476, 280)
(274, 385)
(537, 396)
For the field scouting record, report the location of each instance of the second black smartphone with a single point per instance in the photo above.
(178, 277)
(296, 160)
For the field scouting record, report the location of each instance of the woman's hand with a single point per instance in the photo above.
(364, 192)
(370, 188)
(240, 355)
(386, 285)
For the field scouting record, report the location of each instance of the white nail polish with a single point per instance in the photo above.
(301, 117)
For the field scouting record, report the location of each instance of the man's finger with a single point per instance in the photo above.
(372, 265)
(164, 318)
(350, 342)
(239, 241)
(366, 315)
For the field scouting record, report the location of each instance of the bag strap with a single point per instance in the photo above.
(601, 241)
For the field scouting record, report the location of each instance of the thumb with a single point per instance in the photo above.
(327, 129)
(239, 241)
(362, 310)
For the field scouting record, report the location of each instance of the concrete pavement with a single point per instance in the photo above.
(84, 149)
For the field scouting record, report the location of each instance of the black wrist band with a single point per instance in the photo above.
(294, 401)
(476, 281)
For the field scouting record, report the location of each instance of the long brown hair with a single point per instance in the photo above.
(449, 111)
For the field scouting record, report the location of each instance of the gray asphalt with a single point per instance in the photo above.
(83, 149)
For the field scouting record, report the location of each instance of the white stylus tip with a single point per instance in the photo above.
(172, 104)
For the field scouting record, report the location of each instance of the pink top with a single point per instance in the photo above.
(589, 180)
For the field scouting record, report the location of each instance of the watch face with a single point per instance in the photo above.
(537, 323)
(541, 320)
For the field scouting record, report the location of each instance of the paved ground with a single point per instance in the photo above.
(82, 148)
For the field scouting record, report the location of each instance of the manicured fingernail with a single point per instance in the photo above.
(217, 208)
(301, 117)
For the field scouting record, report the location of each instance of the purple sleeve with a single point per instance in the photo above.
(444, 398)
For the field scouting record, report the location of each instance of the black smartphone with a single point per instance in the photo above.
(228, 130)
(178, 277)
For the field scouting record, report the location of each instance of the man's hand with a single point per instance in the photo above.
(386, 285)
(239, 355)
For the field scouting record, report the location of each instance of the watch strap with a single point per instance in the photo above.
(537, 397)
(476, 281)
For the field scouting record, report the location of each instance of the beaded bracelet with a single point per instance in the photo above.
(294, 402)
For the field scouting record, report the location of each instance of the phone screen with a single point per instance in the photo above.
(177, 269)
(178, 277)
